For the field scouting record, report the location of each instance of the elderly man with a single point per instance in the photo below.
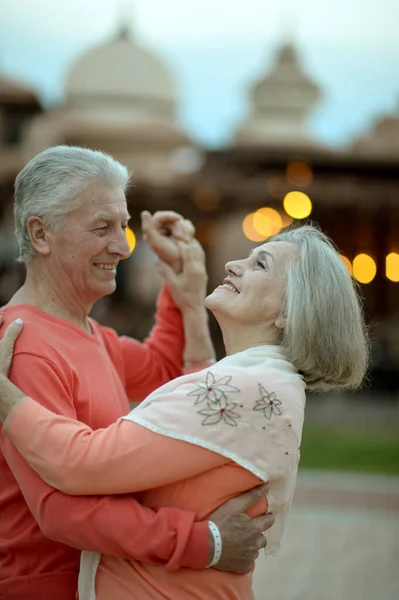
(70, 217)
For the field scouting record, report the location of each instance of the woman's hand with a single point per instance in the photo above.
(188, 290)
(162, 231)
(7, 344)
(10, 395)
(188, 287)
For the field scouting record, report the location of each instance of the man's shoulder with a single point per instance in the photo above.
(41, 334)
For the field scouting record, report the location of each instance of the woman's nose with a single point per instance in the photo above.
(234, 267)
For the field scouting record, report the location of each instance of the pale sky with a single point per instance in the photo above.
(216, 48)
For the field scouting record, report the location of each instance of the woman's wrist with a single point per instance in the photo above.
(198, 342)
(10, 397)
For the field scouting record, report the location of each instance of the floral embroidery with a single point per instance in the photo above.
(214, 392)
(267, 403)
(219, 413)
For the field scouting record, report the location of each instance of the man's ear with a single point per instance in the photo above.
(38, 232)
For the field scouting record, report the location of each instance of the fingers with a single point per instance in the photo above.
(245, 501)
(263, 522)
(167, 222)
(183, 230)
(261, 541)
(167, 273)
(7, 344)
(11, 334)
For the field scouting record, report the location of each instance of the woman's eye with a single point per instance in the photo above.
(260, 263)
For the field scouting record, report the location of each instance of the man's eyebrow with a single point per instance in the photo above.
(262, 253)
(104, 217)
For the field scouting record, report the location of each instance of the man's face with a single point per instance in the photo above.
(254, 289)
(86, 251)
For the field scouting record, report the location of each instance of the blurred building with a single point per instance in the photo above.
(122, 99)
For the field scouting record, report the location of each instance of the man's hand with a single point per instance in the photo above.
(162, 231)
(242, 536)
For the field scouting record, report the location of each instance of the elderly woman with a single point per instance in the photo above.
(291, 319)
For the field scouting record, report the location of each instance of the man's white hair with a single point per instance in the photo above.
(50, 184)
(325, 335)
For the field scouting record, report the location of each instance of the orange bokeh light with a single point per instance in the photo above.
(131, 239)
(249, 229)
(364, 268)
(267, 221)
(299, 173)
(392, 267)
(347, 263)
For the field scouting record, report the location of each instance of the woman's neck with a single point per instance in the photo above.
(240, 338)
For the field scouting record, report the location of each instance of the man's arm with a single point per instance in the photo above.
(159, 358)
(182, 322)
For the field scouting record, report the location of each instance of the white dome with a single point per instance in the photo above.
(121, 72)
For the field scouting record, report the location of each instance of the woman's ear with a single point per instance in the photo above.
(38, 233)
(281, 321)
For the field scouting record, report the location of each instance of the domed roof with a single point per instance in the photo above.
(287, 79)
(120, 69)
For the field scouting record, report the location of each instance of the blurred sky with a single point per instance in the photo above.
(216, 48)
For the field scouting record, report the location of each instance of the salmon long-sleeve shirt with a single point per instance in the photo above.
(89, 377)
(195, 442)
(127, 457)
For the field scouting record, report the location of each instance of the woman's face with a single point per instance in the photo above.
(253, 291)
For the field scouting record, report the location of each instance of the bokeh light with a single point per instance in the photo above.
(364, 268)
(392, 267)
(286, 220)
(299, 173)
(267, 221)
(249, 229)
(297, 205)
(347, 263)
(206, 198)
(131, 239)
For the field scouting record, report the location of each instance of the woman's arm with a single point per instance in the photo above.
(122, 458)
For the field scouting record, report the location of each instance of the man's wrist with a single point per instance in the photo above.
(215, 545)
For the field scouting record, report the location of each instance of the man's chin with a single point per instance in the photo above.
(105, 289)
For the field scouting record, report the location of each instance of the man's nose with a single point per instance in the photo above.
(120, 245)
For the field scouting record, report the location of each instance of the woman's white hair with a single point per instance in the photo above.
(325, 335)
(50, 184)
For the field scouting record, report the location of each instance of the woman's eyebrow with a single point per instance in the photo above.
(263, 253)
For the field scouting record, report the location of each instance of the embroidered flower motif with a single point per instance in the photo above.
(267, 403)
(217, 414)
(213, 390)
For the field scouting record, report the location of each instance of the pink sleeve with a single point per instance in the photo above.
(159, 359)
(123, 458)
(115, 525)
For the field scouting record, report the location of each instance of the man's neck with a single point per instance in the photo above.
(39, 291)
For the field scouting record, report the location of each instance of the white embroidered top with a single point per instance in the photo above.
(248, 407)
